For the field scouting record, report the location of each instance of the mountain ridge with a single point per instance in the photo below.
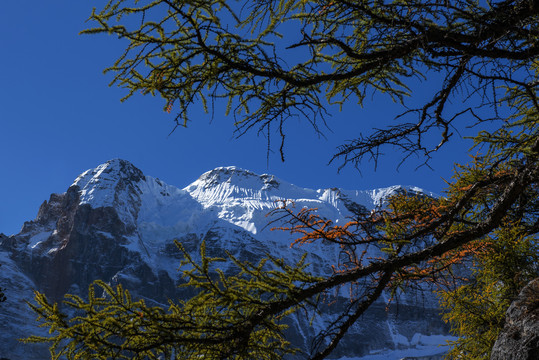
(116, 224)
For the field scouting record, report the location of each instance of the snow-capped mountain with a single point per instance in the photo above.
(116, 224)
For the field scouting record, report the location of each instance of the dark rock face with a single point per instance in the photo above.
(72, 246)
(519, 339)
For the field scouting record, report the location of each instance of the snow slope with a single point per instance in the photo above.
(117, 224)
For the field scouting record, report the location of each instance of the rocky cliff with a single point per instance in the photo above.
(519, 339)
(117, 224)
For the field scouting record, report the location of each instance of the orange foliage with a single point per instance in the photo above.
(169, 107)
(312, 227)
(435, 270)
(325, 7)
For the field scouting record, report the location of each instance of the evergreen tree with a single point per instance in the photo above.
(198, 51)
(501, 266)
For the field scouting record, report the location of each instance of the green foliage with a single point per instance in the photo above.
(503, 262)
(225, 319)
(201, 51)
(476, 308)
(230, 50)
(496, 266)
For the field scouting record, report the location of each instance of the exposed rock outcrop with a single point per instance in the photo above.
(519, 339)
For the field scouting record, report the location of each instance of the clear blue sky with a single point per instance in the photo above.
(58, 117)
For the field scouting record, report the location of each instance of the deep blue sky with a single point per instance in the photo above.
(58, 117)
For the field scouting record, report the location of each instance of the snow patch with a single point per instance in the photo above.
(422, 346)
(430, 340)
(106, 234)
(37, 239)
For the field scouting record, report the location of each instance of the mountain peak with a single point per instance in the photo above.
(100, 186)
(114, 169)
(237, 177)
